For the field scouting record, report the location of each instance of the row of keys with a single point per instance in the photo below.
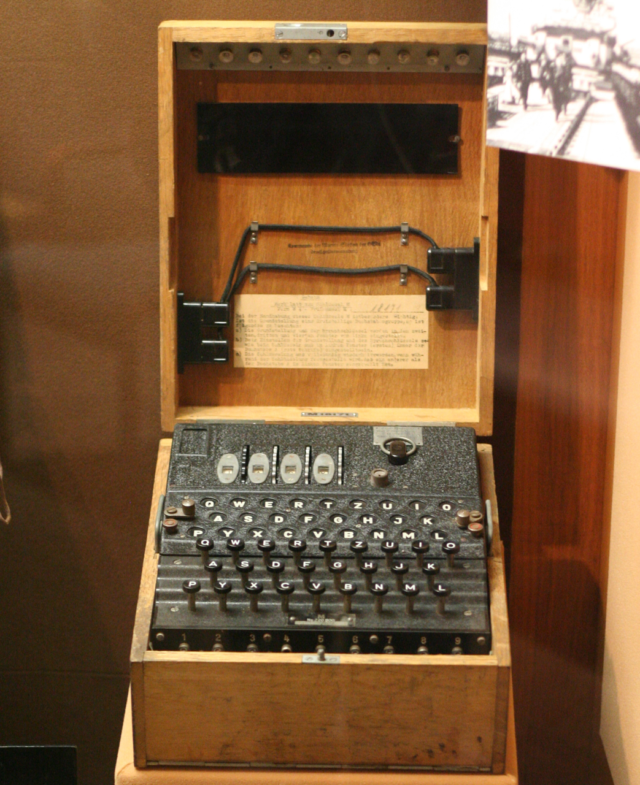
(337, 568)
(315, 589)
(307, 518)
(317, 535)
(388, 548)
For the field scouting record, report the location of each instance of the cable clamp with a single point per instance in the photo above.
(254, 232)
(253, 272)
(404, 234)
(404, 272)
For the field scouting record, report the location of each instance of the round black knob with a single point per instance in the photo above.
(297, 548)
(191, 588)
(188, 508)
(328, 547)
(337, 569)
(399, 569)
(235, 545)
(245, 568)
(397, 452)
(389, 547)
(419, 547)
(316, 590)
(347, 590)
(275, 567)
(285, 589)
(266, 547)
(450, 548)
(213, 567)
(254, 590)
(410, 591)
(441, 592)
(430, 569)
(378, 590)
(368, 569)
(358, 547)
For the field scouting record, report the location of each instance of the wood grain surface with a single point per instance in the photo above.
(570, 220)
(213, 211)
(201, 224)
(462, 702)
(359, 32)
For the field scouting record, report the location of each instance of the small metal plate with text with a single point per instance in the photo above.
(310, 32)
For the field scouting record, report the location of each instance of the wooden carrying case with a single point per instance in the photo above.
(431, 712)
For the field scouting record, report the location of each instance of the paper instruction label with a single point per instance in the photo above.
(331, 331)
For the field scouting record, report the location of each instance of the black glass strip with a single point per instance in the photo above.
(286, 138)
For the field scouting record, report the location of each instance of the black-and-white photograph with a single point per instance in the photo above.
(564, 79)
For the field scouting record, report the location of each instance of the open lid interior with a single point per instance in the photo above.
(336, 146)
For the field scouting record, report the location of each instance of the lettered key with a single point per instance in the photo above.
(378, 590)
(191, 588)
(222, 588)
(410, 591)
(347, 590)
(254, 590)
(285, 589)
(316, 590)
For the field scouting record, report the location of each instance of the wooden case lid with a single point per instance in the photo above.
(202, 217)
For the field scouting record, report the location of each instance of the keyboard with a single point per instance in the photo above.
(322, 539)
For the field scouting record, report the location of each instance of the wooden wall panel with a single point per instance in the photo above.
(569, 251)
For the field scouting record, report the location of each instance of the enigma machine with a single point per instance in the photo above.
(323, 579)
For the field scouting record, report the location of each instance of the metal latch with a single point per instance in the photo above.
(320, 658)
(306, 31)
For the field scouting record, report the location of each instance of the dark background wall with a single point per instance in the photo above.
(79, 381)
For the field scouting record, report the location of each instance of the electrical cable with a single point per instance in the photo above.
(327, 271)
(230, 287)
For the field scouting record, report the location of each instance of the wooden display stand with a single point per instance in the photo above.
(370, 711)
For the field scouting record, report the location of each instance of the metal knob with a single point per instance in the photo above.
(379, 478)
